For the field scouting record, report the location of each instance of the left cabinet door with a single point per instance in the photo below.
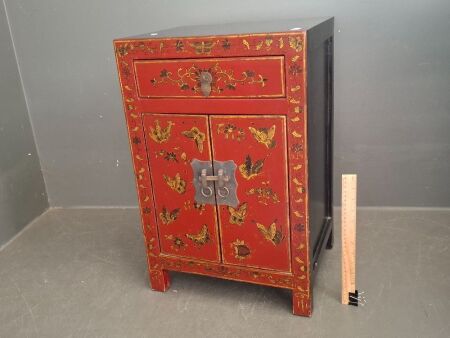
(185, 228)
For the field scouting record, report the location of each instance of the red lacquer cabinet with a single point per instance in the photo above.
(230, 130)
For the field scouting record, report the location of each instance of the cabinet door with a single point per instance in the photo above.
(256, 232)
(185, 228)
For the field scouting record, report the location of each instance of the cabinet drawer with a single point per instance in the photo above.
(244, 77)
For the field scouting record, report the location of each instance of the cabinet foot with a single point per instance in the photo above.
(159, 280)
(301, 304)
(330, 241)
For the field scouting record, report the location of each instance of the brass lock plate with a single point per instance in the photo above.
(203, 194)
(215, 184)
(226, 191)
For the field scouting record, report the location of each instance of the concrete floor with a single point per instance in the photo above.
(82, 273)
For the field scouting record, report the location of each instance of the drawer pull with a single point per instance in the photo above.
(205, 83)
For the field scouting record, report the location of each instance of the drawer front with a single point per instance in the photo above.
(244, 77)
(256, 232)
(185, 228)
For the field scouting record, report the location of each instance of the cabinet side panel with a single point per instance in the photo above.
(298, 175)
(319, 142)
(159, 279)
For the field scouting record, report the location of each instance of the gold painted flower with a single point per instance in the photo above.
(199, 207)
(230, 131)
(296, 43)
(123, 49)
(179, 46)
(264, 195)
(226, 44)
(177, 243)
(241, 250)
(295, 69)
(296, 148)
(170, 156)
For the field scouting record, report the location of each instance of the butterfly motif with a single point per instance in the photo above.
(160, 135)
(237, 216)
(271, 233)
(264, 135)
(249, 169)
(177, 183)
(196, 135)
(167, 216)
(201, 238)
(202, 47)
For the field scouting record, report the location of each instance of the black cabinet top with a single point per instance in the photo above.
(279, 26)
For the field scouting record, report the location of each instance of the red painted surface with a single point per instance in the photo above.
(260, 221)
(178, 217)
(232, 77)
(232, 272)
(161, 257)
(215, 106)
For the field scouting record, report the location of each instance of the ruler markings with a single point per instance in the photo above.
(348, 236)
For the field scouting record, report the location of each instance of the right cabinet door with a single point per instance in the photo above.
(255, 233)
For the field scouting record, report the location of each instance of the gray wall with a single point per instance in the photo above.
(392, 86)
(22, 189)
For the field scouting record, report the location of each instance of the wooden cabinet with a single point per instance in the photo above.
(231, 138)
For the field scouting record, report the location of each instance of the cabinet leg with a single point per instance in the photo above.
(301, 304)
(330, 241)
(159, 280)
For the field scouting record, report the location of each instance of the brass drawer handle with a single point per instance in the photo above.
(205, 83)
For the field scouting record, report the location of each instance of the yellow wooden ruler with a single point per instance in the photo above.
(348, 224)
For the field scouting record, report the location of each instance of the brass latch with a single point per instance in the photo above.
(223, 184)
(221, 179)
